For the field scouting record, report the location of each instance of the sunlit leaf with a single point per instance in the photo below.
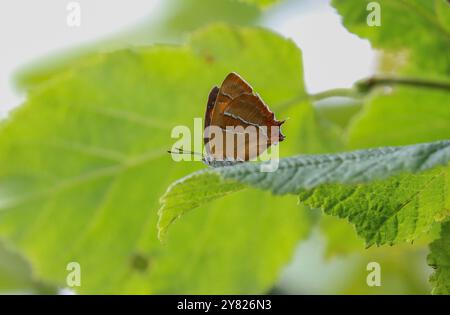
(414, 29)
(84, 163)
(401, 208)
(16, 275)
(405, 116)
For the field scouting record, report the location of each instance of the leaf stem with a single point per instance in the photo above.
(366, 85)
(372, 82)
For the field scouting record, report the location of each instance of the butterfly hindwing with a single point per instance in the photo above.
(209, 108)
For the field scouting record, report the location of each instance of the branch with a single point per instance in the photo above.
(368, 84)
(364, 86)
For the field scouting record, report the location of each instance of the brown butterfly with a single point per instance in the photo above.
(238, 125)
(234, 111)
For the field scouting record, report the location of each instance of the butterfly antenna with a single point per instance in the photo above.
(182, 151)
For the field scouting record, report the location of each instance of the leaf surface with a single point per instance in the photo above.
(439, 259)
(372, 188)
(84, 163)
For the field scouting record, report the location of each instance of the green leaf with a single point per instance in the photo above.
(84, 162)
(403, 271)
(403, 116)
(443, 13)
(339, 114)
(406, 28)
(16, 275)
(390, 211)
(297, 174)
(439, 259)
(341, 237)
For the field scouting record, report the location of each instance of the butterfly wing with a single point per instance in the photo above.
(209, 108)
(234, 85)
(263, 130)
(235, 106)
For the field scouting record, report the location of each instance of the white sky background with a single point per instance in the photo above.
(31, 29)
(332, 57)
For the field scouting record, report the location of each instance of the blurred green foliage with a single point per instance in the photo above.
(16, 274)
(439, 259)
(84, 162)
(171, 23)
(83, 159)
(415, 30)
